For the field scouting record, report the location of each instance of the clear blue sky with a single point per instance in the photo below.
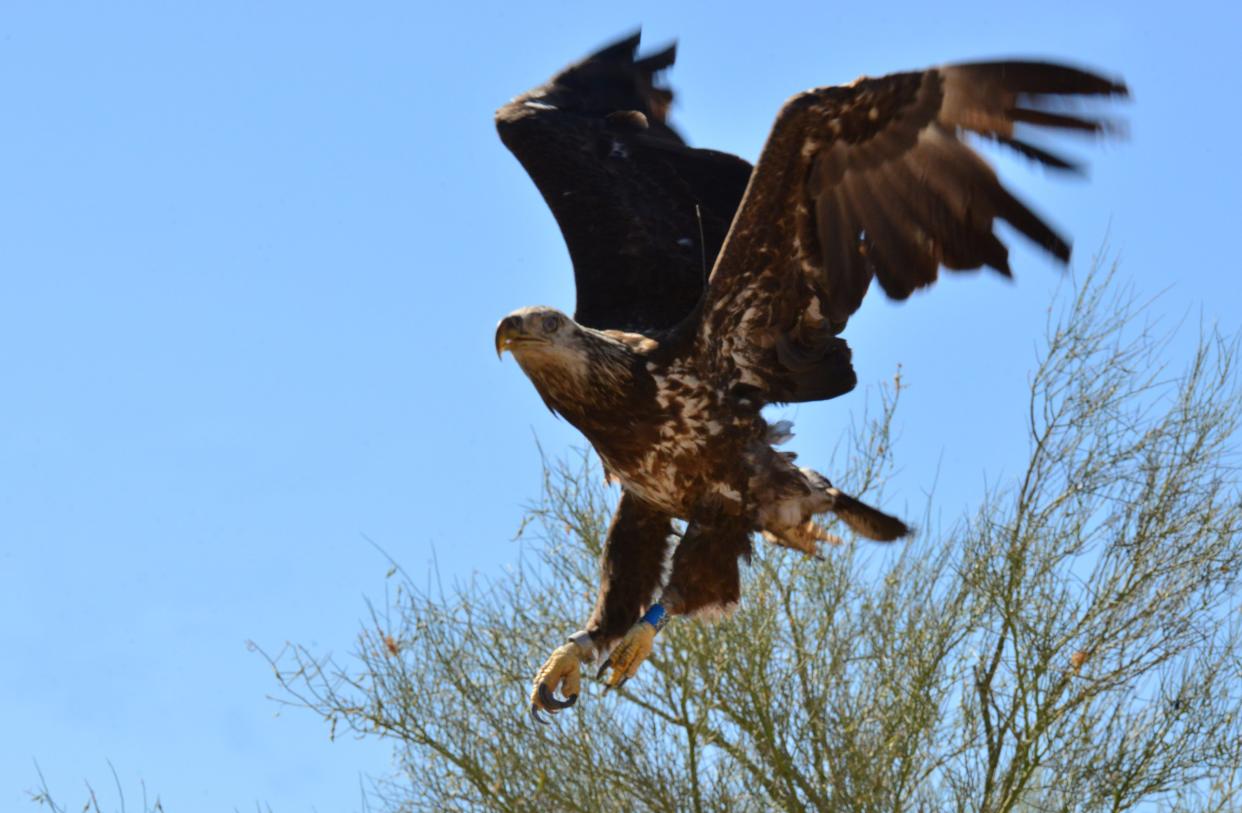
(251, 258)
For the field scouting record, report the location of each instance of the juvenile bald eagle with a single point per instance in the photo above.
(665, 369)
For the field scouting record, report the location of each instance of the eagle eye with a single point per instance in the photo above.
(551, 324)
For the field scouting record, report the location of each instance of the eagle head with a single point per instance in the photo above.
(547, 344)
(538, 334)
(571, 365)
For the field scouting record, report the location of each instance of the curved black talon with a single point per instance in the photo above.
(603, 668)
(534, 715)
(551, 703)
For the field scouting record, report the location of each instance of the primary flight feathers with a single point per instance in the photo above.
(864, 180)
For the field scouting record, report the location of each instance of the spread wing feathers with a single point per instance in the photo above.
(643, 214)
(873, 180)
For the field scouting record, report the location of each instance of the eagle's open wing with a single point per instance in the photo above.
(643, 214)
(873, 180)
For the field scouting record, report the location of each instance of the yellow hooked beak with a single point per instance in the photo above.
(505, 331)
(511, 332)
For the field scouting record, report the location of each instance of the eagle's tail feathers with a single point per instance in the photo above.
(865, 520)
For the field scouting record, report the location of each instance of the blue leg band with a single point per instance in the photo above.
(655, 616)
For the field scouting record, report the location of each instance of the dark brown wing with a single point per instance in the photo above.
(643, 215)
(873, 180)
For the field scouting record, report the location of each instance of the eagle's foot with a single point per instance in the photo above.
(633, 649)
(805, 538)
(560, 671)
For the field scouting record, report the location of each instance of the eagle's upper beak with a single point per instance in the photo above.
(509, 327)
(512, 331)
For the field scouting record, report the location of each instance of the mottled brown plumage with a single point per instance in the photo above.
(665, 370)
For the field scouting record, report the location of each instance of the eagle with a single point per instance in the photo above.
(708, 288)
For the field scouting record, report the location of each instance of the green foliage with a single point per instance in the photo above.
(1074, 645)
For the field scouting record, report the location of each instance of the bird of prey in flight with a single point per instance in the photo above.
(707, 289)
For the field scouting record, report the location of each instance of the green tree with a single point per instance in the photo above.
(1074, 645)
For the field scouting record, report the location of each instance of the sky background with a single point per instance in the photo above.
(251, 259)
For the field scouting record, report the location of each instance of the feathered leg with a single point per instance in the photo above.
(800, 494)
(631, 569)
(705, 576)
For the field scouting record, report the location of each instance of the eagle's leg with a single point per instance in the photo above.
(799, 495)
(631, 568)
(634, 647)
(705, 577)
(560, 671)
(804, 538)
